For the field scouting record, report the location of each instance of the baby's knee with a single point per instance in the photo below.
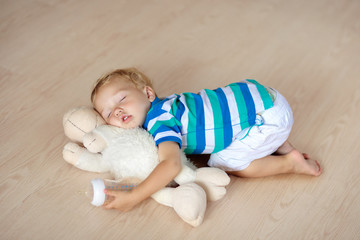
(245, 173)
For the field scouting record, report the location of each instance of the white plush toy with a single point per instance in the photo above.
(131, 153)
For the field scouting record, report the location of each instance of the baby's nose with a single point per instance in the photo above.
(118, 112)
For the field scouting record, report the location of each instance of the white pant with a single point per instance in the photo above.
(261, 140)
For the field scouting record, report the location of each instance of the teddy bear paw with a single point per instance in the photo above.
(212, 175)
(72, 152)
(213, 180)
(189, 202)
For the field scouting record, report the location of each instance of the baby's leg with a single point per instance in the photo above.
(285, 148)
(292, 162)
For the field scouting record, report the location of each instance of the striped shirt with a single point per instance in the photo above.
(207, 122)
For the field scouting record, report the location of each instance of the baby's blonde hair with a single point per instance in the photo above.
(135, 76)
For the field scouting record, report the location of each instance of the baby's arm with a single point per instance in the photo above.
(168, 168)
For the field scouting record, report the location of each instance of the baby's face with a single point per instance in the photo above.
(122, 104)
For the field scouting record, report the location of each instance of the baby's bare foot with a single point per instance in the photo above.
(303, 164)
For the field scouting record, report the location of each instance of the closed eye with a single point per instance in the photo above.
(121, 99)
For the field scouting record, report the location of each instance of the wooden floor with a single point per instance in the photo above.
(53, 50)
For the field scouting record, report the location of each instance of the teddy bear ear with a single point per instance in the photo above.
(79, 121)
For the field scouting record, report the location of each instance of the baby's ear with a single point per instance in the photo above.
(150, 93)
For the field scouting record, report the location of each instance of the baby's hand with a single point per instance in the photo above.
(123, 201)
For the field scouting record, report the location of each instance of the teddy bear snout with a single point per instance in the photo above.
(94, 143)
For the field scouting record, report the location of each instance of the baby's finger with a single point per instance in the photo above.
(109, 192)
(108, 205)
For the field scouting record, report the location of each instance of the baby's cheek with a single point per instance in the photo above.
(113, 122)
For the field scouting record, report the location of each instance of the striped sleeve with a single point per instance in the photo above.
(165, 128)
(162, 124)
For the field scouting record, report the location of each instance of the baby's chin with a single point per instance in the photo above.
(128, 126)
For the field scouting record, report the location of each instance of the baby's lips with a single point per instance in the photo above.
(125, 117)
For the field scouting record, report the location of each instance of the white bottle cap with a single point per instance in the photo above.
(99, 194)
